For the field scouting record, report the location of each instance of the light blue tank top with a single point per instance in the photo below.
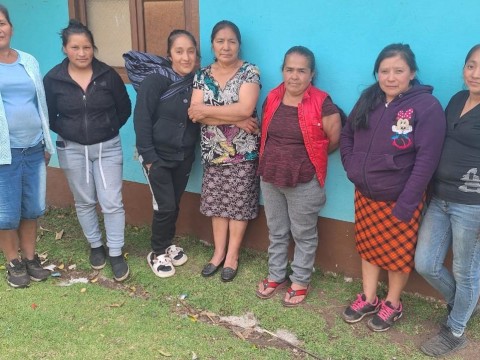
(20, 102)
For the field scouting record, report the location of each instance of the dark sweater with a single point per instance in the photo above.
(162, 128)
(89, 117)
(457, 178)
(387, 165)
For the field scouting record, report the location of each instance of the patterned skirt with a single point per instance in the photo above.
(383, 240)
(230, 191)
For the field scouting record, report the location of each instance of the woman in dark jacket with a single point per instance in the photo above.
(166, 141)
(87, 105)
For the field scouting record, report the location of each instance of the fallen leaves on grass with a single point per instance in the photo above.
(59, 234)
(82, 290)
(164, 353)
(34, 306)
(116, 305)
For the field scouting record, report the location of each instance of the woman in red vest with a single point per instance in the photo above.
(300, 126)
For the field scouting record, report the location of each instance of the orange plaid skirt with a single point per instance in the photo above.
(383, 240)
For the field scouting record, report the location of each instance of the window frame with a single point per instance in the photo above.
(77, 9)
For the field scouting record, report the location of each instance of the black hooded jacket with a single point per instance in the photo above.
(91, 116)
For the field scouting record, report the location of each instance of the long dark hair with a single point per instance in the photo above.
(373, 95)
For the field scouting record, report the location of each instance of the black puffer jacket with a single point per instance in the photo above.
(89, 117)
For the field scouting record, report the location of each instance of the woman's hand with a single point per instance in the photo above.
(250, 125)
(197, 112)
(47, 158)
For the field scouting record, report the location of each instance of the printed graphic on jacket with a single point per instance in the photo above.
(402, 128)
(471, 181)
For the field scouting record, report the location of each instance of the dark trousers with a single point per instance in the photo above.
(167, 181)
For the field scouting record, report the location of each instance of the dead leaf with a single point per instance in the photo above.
(61, 216)
(94, 280)
(164, 353)
(61, 266)
(2, 267)
(93, 275)
(43, 229)
(125, 256)
(82, 290)
(194, 356)
(239, 334)
(58, 235)
(115, 305)
(50, 267)
(193, 317)
(34, 306)
(72, 267)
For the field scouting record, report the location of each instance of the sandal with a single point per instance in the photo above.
(292, 293)
(270, 284)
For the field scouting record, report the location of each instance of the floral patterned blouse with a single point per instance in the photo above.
(226, 144)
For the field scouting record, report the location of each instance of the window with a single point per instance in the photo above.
(122, 25)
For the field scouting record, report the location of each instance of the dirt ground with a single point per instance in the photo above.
(246, 327)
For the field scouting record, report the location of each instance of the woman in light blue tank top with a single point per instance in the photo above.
(25, 148)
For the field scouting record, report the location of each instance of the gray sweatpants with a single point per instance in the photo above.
(94, 174)
(292, 210)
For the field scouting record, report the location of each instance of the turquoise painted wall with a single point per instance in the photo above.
(345, 35)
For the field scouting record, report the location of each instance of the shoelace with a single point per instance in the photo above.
(360, 303)
(385, 311)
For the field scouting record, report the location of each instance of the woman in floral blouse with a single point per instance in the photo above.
(223, 101)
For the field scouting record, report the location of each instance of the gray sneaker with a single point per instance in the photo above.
(360, 308)
(17, 275)
(443, 343)
(35, 269)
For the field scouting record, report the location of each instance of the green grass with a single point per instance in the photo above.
(147, 321)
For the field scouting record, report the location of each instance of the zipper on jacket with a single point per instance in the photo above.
(85, 120)
(368, 152)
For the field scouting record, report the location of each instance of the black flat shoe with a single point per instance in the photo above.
(210, 269)
(228, 274)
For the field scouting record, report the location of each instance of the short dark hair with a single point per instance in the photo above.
(5, 13)
(175, 34)
(470, 53)
(305, 52)
(76, 27)
(226, 24)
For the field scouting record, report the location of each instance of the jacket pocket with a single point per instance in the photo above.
(354, 168)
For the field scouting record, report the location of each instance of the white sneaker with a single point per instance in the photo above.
(161, 265)
(177, 255)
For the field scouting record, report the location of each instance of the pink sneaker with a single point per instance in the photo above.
(385, 317)
(360, 308)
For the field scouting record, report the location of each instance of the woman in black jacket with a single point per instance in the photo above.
(88, 104)
(166, 144)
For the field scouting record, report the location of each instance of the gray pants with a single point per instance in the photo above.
(292, 210)
(94, 174)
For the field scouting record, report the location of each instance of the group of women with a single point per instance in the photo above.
(395, 141)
